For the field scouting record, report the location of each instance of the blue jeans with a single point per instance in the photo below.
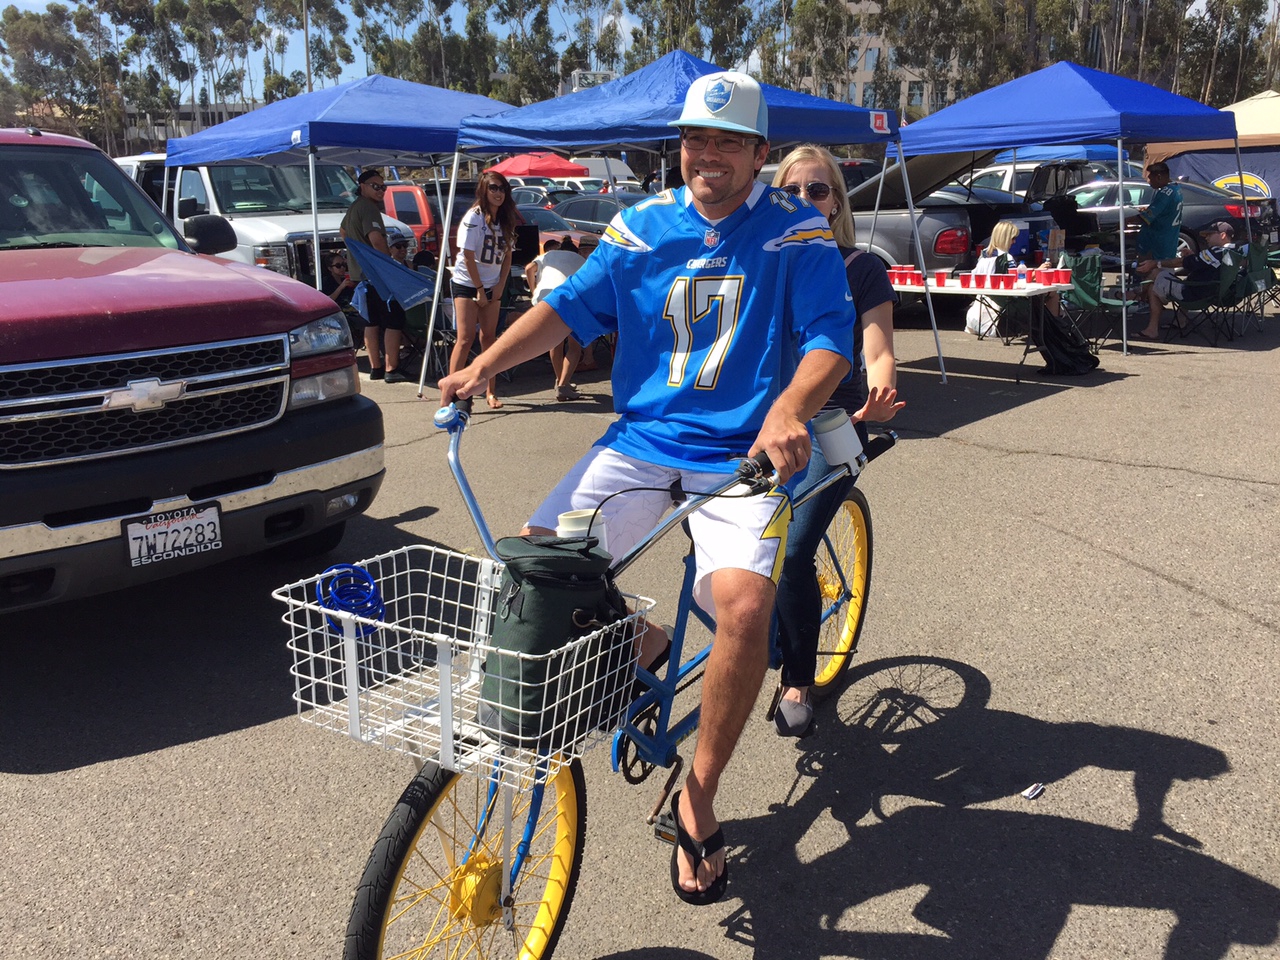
(799, 602)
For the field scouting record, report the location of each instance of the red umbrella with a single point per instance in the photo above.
(539, 165)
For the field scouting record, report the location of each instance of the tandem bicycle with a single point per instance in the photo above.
(482, 854)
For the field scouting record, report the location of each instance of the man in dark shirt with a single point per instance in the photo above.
(363, 222)
(1199, 270)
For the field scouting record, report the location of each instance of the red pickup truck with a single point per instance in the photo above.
(160, 409)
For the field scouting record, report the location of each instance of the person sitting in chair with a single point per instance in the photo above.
(1198, 269)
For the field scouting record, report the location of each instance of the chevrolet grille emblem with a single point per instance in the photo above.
(144, 395)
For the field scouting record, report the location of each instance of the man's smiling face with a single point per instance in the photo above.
(719, 179)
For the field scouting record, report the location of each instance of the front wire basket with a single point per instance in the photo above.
(410, 680)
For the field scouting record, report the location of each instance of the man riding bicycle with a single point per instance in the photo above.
(734, 325)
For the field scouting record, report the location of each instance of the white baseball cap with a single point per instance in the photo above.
(726, 101)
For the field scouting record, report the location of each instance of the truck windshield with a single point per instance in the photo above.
(253, 188)
(74, 198)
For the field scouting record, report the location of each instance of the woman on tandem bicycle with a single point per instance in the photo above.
(713, 290)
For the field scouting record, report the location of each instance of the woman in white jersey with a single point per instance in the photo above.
(485, 244)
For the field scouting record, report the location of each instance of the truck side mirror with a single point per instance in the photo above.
(209, 234)
(189, 207)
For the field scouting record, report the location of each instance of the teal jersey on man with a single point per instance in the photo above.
(1161, 222)
(711, 318)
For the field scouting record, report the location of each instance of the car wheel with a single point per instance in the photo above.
(1187, 245)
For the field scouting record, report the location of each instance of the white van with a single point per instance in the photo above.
(596, 168)
(269, 207)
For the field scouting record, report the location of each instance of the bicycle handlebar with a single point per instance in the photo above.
(757, 471)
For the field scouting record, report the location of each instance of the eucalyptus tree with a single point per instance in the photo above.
(51, 67)
(528, 55)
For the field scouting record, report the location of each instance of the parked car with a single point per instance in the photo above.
(593, 213)
(543, 196)
(410, 204)
(952, 220)
(161, 409)
(269, 207)
(1202, 205)
(1003, 176)
(1057, 177)
(552, 226)
(599, 169)
(853, 169)
(581, 184)
(531, 181)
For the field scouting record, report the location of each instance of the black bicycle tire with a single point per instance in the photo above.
(399, 838)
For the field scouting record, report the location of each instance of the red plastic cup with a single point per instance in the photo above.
(917, 277)
(1064, 274)
(940, 278)
(980, 280)
(965, 280)
(1007, 280)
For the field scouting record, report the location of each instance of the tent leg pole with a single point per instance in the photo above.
(315, 219)
(915, 235)
(1124, 276)
(441, 262)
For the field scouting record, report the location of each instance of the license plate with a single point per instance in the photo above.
(184, 532)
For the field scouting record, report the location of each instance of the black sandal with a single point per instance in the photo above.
(699, 851)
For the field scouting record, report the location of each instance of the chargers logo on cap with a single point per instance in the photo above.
(719, 93)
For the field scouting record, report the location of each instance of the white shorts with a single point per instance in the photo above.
(1168, 287)
(736, 532)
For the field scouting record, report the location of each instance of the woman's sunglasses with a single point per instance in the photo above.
(814, 191)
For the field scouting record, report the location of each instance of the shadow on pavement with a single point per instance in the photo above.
(895, 778)
(189, 657)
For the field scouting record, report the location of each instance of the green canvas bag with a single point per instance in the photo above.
(554, 590)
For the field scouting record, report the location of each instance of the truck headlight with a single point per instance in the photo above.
(273, 256)
(320, 336)
(330, 385)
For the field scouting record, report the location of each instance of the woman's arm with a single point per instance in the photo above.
(882, 367)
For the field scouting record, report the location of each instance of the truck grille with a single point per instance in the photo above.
(109, 406)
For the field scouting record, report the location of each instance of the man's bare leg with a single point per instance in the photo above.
(1157, 311)
(735, 670)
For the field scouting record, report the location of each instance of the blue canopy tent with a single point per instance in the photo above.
(635, 112)
(373, 120)
(1075, 151)
(1086, 106)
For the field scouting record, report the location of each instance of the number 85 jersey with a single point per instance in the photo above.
(712, 319)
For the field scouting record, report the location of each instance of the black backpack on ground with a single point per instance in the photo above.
(1063, 347)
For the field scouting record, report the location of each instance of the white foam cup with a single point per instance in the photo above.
(838, 439)
(577, 523)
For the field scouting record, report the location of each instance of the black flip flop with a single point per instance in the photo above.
(699, 851)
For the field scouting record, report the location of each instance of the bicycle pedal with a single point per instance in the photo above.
(664, 828)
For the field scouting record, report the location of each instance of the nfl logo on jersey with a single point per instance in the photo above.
(711, 238)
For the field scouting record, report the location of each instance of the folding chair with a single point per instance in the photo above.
(1085, 305)
(1262, 287)
(1212, 303)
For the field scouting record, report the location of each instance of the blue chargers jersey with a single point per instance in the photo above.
(712, 319)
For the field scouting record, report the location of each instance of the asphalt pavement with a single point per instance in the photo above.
(1074, 585)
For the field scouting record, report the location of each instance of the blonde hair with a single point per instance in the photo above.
(1002, 236)
(841, 221)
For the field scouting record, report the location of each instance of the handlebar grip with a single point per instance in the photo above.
(759, 471)
(454, 415)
